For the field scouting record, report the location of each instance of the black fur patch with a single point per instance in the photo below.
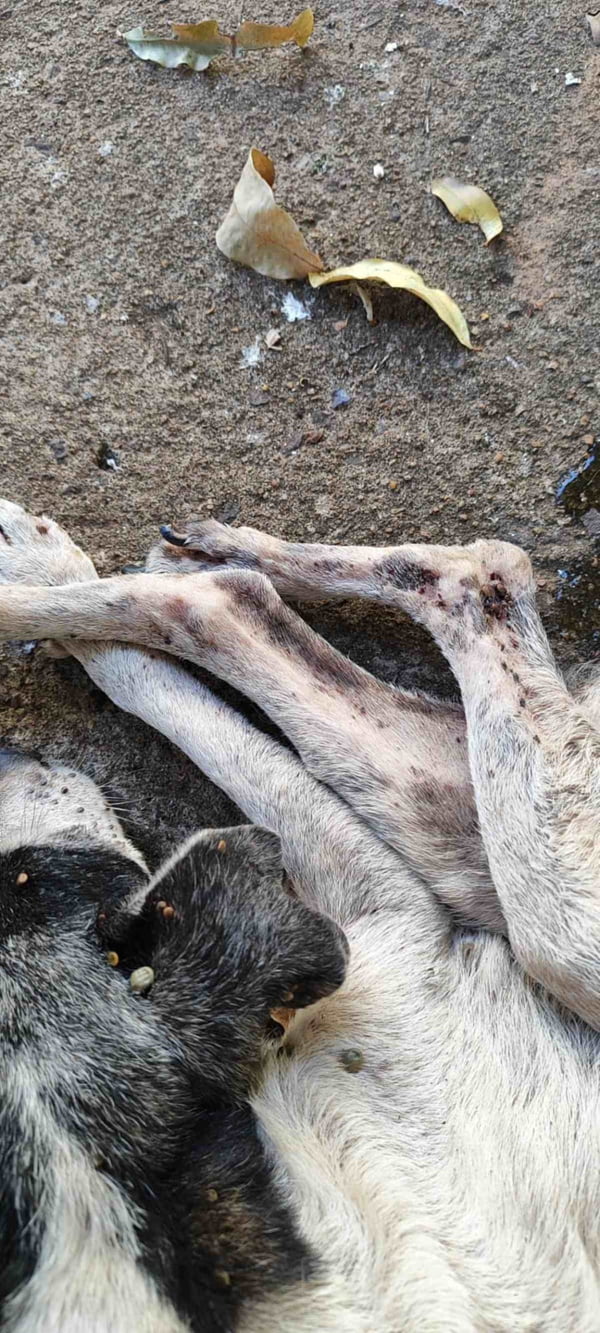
(153, 1089)
(42, 886)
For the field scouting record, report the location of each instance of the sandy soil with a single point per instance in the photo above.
(123, 328)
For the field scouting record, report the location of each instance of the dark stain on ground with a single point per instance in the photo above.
(578, 600)
(578, 588)
(579, 490)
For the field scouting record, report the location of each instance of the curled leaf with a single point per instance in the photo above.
(204, 36)
(196, 44)
(258, 36)
(468, 203)
(398, 275)
(170, 52)
(593, 22)
(259, 234)
(364, 297)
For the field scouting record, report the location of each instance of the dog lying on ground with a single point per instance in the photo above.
(419, 1151)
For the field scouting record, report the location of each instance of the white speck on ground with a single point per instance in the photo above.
(252, 355)
(334, 94)
(294, 309)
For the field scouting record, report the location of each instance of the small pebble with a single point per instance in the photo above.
(142, 979)
(352, 1060)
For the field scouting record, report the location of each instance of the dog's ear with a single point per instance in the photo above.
(212, 874)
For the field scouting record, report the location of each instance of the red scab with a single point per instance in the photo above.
(42, 529)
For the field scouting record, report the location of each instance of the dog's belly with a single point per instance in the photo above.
(438, 1130)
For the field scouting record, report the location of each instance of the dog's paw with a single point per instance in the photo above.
(38, 551)
(200, 545)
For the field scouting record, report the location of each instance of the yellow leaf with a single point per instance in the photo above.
(257, 36)
(398, 275)
(206, 37)
(468, 203)
(259, 234)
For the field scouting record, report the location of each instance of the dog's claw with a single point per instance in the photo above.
(173, 538)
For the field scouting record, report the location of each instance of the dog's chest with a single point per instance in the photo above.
(438, 1135)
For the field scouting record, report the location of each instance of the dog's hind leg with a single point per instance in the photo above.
(332, 857)
(398, 758)
(534, 750)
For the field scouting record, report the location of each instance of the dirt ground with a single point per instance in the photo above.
(123, 327)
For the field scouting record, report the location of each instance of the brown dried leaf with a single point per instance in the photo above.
(258, 36)
(259, 234)
(469, 203)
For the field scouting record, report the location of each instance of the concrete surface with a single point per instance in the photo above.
(123, 328)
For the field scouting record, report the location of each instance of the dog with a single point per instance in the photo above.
(211, 1119)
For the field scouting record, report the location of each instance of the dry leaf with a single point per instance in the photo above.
(196, 44)
(365, 297)
(259, 36)
(259, 234)
(170, 52)
(398, 275)
(593, 22)
(205, 36)
(468, 203)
